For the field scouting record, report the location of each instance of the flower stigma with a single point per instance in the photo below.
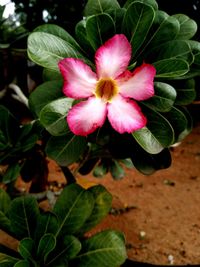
(106, 89)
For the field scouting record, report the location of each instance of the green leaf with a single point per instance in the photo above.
(102, 205)
(23, 214)
(151, 3)
(156, 135)
(44, 94)
(100, 170)
(188, 27)
(47, 50)
(66, 149)
(101, 6)
(22, 263)
(73, 207)
(116, 170)
(171, 50)
(11, 173)
(106, 249)
(53, 116)
(6, 260)
(137, 23)
(51, 75)
(27, 248)
(164, 97)
(148, 163)
(99, 28)
(186, 92)
(46, 245)
(5, 201)
(171, 68)
(47, 223)
(67, 248)
(59, 32)
(5, 223)
(195, 47)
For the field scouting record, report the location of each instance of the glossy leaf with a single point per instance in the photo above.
(66, 149)
(195, 47)
(47, 50)
(151, 3)
(59, 32)
(53, 116)
(11, 173)
(137, 23)
(101, 6)
(186, 91)
(22, 263)
(46, 245)
(99, 28)
(67, 248)
(73, 207)
(102, 205)
(23, 214)
(40, 98)
(5, 201)
(116, 170)
(171, 68)
(164, 97)
(188, 27)
(106, 249)
(26, 248)
(51, 75)
(6, 260)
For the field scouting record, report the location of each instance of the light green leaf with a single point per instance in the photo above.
(47, 50)
(26, 248)
(164, 97)
(23, 215)
(102, 205)
(137, 23)
(5, 201)
(106, 249)
(188, 27)
(66, 149)
(100, 6)
(53, 116)
(46, 245)
(44, 94)
(99, 28)
(171, 68)
(73, 207)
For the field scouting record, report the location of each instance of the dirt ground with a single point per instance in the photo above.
(159, 214)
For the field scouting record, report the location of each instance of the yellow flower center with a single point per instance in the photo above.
(106, 89)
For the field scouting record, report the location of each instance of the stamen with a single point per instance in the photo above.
(106, 89)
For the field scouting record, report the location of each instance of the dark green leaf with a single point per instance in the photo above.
(151, 3)
(27, 248)
(5, 223)
(137, 23)
(6, 260)
(47, 223)
(51, 75)
(99, 28)
(4, 201)
(188, 27)
(101, 6)
(65, 150)
(73, 208)
(46, 245)
(67, 248)
(164, 97)
(106, 249)
(102, 205)
(44, 94)
(23, 214)
(186, 92)
(11, 173)
(22, 263)
(53, 116)
(171, 68)
(100, 170)
(116, 170)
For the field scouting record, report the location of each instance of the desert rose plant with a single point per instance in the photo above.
(115, 93)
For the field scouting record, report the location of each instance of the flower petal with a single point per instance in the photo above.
(140, 86)
(113, 57)
(86, 116)
(125, 115)
(79, 79)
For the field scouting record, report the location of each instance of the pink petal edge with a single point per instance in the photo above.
(79, 79)
(113, 57)
(140, 86)
(125, 115)
(85, 117)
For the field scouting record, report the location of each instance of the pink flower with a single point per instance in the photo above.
(109, 92)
